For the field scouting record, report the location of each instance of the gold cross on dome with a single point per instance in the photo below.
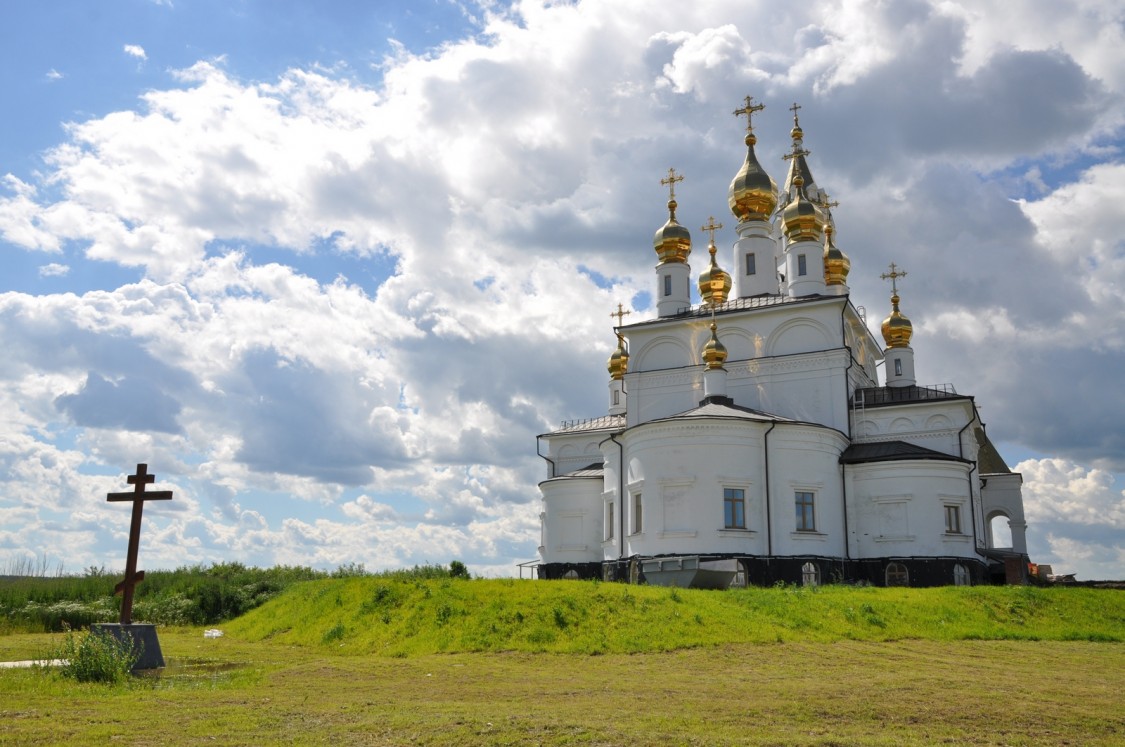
(794, 109)
(621, 313)
(712, 227)
(670, 182)
(749, 110)
(893, 276)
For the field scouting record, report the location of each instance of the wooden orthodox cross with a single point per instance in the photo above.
(138, 496)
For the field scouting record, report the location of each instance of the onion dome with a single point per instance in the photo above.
(672, 242)
(714, 282)
(897, 329)
(753, 192)
(619, 361)
(836, 263)
(802, 219)
(714, 354)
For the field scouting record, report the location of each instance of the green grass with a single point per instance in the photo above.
(842, 693)
(402, 618)
(440, 661)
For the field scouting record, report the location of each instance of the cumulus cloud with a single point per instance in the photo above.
(136, 50)
(53, 270)
(498, 195)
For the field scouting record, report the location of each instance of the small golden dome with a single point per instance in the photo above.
(714, 354)
(836, 263)
(619, 361)
(714, 282)
(802, 219)
(897, 329)
(753, 192)
(672, 242)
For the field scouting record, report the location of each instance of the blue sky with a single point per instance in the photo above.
(329, 268)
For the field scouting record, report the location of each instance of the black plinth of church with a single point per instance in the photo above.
(141, 636)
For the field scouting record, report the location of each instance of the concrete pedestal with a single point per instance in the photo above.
(141, 636)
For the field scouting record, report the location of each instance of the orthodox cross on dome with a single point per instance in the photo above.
(138, 496)
(749, 111)
(827, 203)
(670, 182)
(795, 108)
(621, 313)
(893, 276)
(711, 226)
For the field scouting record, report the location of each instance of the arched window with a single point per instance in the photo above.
(897, 575)
(571, 575)
(810, 574)
(999, 531)
(961, 576)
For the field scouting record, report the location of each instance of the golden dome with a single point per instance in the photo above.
(753, 192)
(714, 354)
(714, 282)
(897, 329)
(836, 263)
(672, 242)
(619, 361)
(802, 219)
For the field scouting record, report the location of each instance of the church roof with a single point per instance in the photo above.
(724, 407)
(988, 458)
(897, 395)
(604, 423)
(891, 451)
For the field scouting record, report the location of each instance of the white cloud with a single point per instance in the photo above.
(53, 270)
(402, 404)
(136, 50)
(54, 75)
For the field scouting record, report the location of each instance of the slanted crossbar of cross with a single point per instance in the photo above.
(138, 496)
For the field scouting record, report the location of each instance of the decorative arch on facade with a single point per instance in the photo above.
(961, 576)
(936, 422)
(664, 352)
(799, 336)
(810, 574)
(901, 425)
(867, 428)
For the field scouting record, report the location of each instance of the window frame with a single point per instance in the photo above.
(901, 574)
(730, 503)
(953, 511)
(805, 516)
(802, 266)
(667, 285)
(610, 520)
(751, 264)
(638, 512)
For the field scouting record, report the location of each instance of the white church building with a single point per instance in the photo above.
(748, 439)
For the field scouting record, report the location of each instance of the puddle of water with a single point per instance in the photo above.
(190, 669)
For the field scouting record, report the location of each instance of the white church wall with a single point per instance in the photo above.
(575, 451)
(572, 521)
(935, 425)
(805, 460)
(899, 508)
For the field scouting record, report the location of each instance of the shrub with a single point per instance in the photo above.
(95, 657)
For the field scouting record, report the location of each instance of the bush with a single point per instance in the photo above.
(95, 657)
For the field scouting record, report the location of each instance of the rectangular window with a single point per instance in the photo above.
(952, 519)
(802, 266)
(667, 285)
(806, 512)
(734, 508)
(609, 520)
(616, 397)
(750, 268)
(898, 366)
(637, 524)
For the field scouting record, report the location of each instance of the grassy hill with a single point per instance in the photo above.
(403, 617)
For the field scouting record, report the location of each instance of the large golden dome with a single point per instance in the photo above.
(618, 362)
(714, 354)
(836, 263)
(753, 192)
(897, 329)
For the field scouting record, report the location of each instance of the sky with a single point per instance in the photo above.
(330, 268)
